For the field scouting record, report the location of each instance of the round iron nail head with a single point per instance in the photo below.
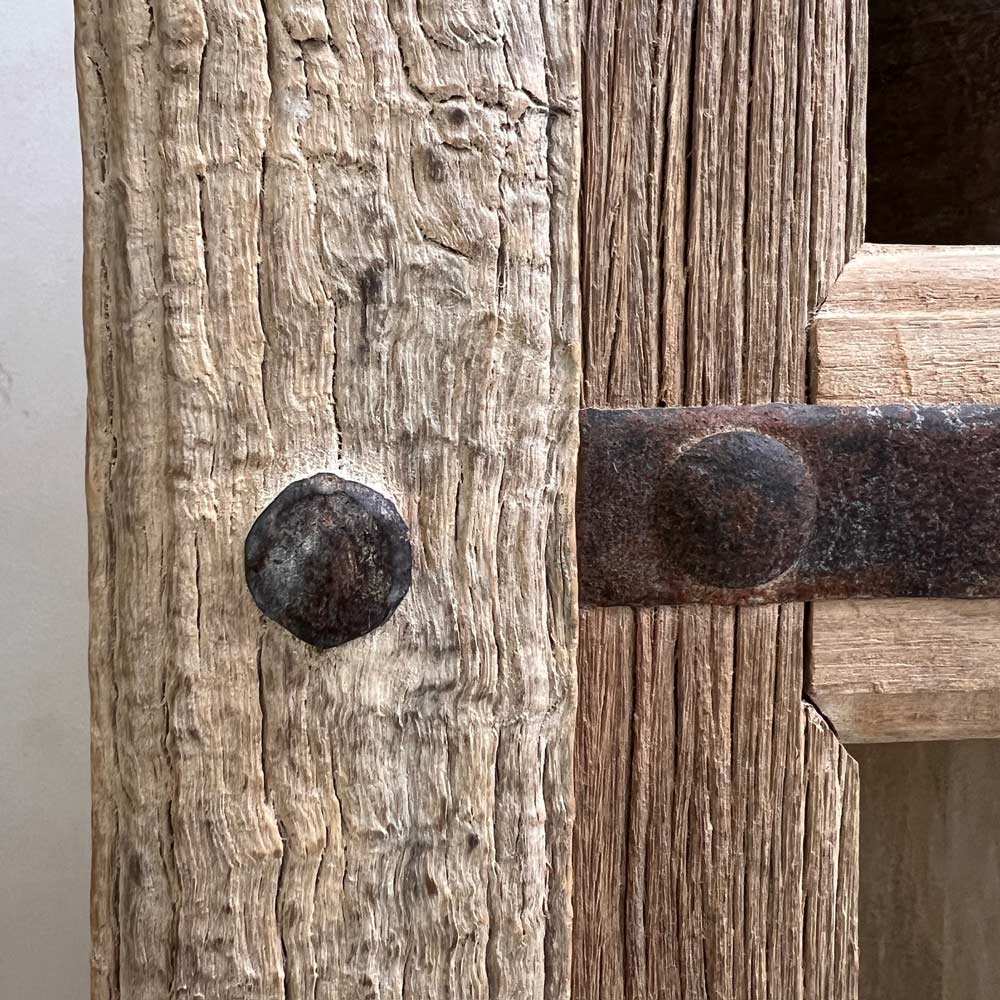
(328, 559)
(741, 506)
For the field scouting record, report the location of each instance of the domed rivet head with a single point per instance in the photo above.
(328, 559)
(741, 507)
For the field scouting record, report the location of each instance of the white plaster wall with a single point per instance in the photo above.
(44, 767)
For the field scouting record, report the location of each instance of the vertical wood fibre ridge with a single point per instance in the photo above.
(715, 846)
(331, 236)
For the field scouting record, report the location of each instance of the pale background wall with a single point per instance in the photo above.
(44, 767)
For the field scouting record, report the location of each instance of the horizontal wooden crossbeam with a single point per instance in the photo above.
(909, 324)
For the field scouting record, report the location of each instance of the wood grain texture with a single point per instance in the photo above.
(919, 324)
(911, 323)
(723, 185)
(907, 669)
(340, 237)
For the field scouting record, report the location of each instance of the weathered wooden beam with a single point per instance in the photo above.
(911, 323)
(907, 669)
(915, 324)
(723, 185)
(331, 237)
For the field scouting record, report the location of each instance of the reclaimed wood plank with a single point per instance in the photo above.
(920, 324)
(331, 237)
(722, 193)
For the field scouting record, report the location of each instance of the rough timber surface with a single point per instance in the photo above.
(331, 237)
(918, 323)
(909, 324)
(722, 192)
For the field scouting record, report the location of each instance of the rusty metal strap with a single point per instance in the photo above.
(751, 505)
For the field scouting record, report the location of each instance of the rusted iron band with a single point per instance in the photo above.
(761, 504)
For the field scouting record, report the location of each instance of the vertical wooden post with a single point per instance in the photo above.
(331, 236)
(723, 190)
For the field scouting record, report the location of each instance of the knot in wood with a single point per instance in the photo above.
(328, 559)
